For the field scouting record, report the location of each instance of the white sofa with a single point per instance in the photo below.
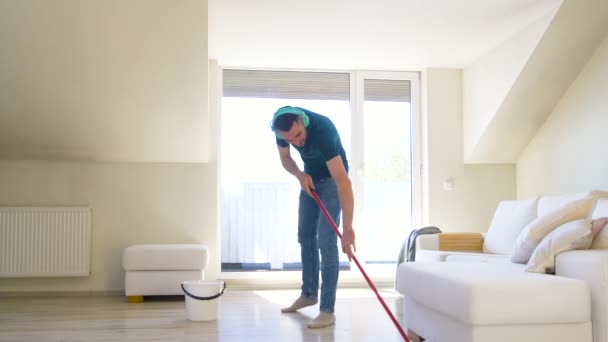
(458, 294)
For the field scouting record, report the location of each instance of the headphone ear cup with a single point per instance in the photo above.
(305, 120)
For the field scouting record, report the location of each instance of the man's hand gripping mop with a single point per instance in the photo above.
(369, 281)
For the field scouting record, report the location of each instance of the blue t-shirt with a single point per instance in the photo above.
(322, 144)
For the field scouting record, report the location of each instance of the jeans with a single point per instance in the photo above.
(315, 233)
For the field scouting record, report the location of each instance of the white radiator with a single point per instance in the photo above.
(45, 241)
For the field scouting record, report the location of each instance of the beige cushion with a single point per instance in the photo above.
(536, 230)
(510, 218)
(575, 234)
(601, 210)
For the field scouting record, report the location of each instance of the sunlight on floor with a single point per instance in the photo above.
(286, 297)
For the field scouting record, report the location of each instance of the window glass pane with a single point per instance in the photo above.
(259, 198)
(387, 169)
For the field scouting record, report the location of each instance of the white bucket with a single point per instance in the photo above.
(203, 299)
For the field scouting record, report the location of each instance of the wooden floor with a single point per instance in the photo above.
(243, 316)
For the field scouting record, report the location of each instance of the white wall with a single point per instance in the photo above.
(570, 151)
(104, 104)
(477, 188)
(487, 82)
(107, 80)
(132, 203)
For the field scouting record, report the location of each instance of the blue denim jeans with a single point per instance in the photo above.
(316, 234)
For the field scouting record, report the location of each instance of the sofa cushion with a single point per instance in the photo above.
(601, 210)
(453, 256)
(477, 257)
(536, 230)
(438, 256)
(547, 204)
(169, 257)
(572, 235)
(510, 218)
(495, 293)
(591, 266)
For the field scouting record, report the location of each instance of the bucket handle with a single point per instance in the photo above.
(205, 298)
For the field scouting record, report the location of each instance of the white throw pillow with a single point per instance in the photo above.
(547, 204)
(536, 230)
(571, 235)
(510, 218)
(601, 210)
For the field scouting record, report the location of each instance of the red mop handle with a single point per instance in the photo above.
(369, 281)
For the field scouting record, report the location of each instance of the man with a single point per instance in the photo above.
(317, 140)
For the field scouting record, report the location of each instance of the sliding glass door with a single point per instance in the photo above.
(376, 115)
(259, 198)
(387, 104)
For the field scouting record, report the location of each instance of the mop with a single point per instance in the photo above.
(369, 281)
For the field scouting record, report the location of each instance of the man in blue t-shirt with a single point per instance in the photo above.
(325, 172)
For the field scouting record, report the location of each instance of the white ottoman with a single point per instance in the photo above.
(492, 302)
(160, 269)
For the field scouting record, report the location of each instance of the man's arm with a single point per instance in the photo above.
(347, 202)
(290, 165)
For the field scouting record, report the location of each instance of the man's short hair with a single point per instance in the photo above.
(284, 122)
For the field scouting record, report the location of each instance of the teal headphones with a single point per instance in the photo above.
(288, 110)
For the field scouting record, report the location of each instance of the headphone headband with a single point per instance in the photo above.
(289, 110)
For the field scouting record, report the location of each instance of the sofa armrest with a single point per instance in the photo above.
(461, 242)
(428, 242)
(590, 266)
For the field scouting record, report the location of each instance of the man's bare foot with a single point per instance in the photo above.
(300, 303)
(324, 319)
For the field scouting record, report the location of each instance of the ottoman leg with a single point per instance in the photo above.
(135, 299)
(413, 336)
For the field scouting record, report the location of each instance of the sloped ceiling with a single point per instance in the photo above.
(567, 44)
